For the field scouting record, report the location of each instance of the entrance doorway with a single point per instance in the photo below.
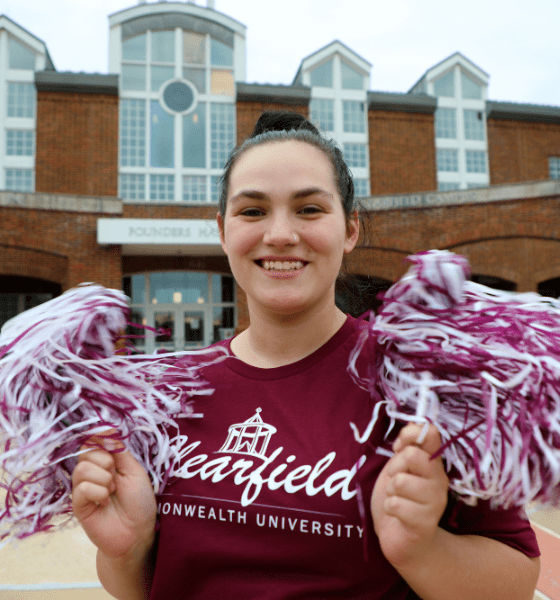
(18, 294)
(188, 309)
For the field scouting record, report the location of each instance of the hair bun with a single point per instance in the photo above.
(277, 120)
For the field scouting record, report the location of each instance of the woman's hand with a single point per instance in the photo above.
(409, 497)
(114, 501)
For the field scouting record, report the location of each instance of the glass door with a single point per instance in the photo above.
(186, 309)
(179, 328)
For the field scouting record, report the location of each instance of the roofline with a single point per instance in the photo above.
(50, 64)
(289, 95)
(522, 112)
(301, 95)
(23, 29)
(463, 57)
(82, 83)
(330, 44)
(444, 60)
(397, 102)
(140, 10)
(324, 48)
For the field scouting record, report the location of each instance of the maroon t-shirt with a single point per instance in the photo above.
(263, 504)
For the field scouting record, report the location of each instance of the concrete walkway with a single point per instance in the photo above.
(547, 527)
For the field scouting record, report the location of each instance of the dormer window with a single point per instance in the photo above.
(469, 89)
(322, 113)
(460, 123)
(351, 79)
(474, 124)
(338, 107)
(322, 76)
(445, 85)
(20, 56)
(446, 123)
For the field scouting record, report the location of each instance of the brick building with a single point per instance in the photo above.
(113, 178)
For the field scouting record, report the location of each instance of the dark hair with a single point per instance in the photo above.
(278, 126)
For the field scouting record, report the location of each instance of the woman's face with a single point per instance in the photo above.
(285, 231)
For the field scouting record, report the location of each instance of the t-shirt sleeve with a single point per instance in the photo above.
(509, 526)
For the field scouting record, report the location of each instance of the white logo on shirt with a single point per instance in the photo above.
(252, 438)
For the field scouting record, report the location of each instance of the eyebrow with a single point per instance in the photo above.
(258, 195)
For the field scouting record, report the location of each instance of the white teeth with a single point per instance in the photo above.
(276, 265)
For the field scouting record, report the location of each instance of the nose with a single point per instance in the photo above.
(280, 232)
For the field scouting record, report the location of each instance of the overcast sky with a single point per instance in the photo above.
(517, 42)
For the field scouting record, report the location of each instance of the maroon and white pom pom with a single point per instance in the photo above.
(480, 364)
(61, 383)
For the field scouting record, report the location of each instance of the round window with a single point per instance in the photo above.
(178, 96)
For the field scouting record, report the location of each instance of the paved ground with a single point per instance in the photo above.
(547, 527)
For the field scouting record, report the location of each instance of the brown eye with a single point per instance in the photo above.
(252, 212)
(310, 210)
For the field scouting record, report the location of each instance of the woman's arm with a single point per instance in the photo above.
(472, 567)
(115, 504)
(408, 501)
(127, 577)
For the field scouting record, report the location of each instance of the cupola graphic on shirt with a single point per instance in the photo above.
(251, 437)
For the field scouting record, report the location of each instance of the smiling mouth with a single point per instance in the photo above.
(281, 265)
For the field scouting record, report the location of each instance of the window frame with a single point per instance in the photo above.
(136, 128)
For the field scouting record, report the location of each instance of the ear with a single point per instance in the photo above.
(220, 221)
(352, 232)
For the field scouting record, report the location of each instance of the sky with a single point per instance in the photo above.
(516, 42)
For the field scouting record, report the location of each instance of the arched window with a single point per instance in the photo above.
(357, 294)
(22, 293)
(550, 287)
(496, 283)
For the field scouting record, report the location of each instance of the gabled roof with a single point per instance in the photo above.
(451, 61)
(335, 47)
(27, 38)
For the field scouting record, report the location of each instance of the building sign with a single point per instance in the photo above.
(158, 231)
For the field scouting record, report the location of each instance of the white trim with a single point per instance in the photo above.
(158, 232)
(239, 57)
(494, 193)
(334, 48)
(170, 111)
(37, 587)
(456, 66)
(209, 14)
(451, 62)
(115, 50)
(550, 532)
(24, 36)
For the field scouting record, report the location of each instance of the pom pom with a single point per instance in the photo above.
(480, 364)
(61, 383)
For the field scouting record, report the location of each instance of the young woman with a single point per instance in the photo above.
(273, 498)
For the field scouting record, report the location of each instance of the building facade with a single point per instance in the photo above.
(114, 178)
